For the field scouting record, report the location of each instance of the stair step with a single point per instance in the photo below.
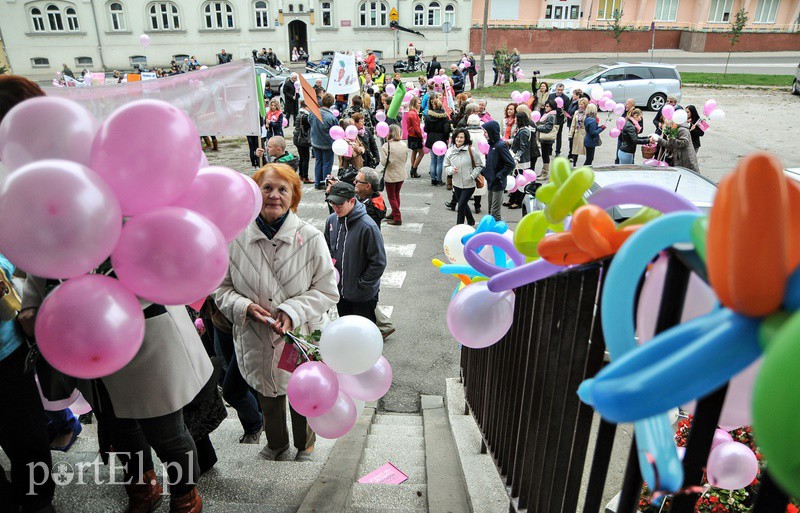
(393, 443)
(398, 420)
(383, 497)
(416, 475)
(375, 457)
(284, 489)
(394, 430)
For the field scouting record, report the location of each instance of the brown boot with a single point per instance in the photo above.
(206, 142)
(144, 498)
(214, 146)
(189, 503)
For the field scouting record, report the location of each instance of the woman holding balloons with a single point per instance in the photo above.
(464, 164)
(437, 125)
(280, 278)
(629, 138)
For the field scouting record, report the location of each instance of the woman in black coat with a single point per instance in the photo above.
(695, 131)
(438, 128)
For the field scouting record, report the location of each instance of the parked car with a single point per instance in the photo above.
(796, 83)
(647, 83)
(276, 78)
(692, 186)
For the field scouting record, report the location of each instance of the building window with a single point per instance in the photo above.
(666, 10)
(117, 17)
(218, 15)
(37, 19)
(373, 14)
(434, 14)
(300, 8)
(164, 16)
(54, 19)
(138, 60)
(606, 9)
(72, 19)
(85, 62)
(179, 58)
(419, 15)
(40, 62)
(720, 11)
(450, 14)
(262, 14)
(291, 7)
(766, 11)
(326, 8)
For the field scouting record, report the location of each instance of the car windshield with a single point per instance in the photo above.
(583, 75)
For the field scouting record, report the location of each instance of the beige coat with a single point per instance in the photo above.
(395, 168)
(166, 374)
(577, 131)
(292, 272)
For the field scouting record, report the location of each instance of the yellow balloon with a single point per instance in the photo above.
(529, 232)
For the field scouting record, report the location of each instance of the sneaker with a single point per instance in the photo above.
(304, 455)
(250, 438)
(388, 333)
(450, 206)
(272, 454)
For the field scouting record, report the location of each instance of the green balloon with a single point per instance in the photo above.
(776, 407)
(643, 216)
(699, 235)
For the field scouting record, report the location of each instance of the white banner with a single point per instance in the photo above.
(344, 75)
(221, 100)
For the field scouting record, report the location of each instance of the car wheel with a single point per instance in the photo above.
(656, 101)
(795, 87)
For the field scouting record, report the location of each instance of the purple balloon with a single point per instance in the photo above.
(647, 195)
(58, 219)
(47, 128)
(336, 132)
(149, 152)
(370, 385)
(219, 194)
(477, 317)
(170, 256)
(382, 129)
(339, 420)
(523, 275)
(90, 327)
(313, 389)
(471, 252)
(731, 466)
(439, 148)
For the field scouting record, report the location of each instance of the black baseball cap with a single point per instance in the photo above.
(341, 192)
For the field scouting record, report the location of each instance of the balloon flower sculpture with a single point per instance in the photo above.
(751, 245)
(73, 181)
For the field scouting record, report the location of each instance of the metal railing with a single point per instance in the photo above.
(522, 393)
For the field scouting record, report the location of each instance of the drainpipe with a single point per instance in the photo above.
(97, 33)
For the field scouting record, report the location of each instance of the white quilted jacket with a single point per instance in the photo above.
(292, 272)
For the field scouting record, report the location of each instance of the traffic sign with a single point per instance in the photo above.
(447, 27)
(394, 15)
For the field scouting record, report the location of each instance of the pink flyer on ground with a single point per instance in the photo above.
(387, 474)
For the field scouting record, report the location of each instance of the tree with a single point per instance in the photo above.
(737, 27)
(3, 70)
(617, 28)
(481, 72)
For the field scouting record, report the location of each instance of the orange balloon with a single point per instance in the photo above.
(753, 241)
(561, 249)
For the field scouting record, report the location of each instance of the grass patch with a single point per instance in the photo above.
(737, 79)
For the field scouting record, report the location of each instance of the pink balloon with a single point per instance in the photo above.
(731, 466)
(170, 256)
(56, 405)
(380, 115)
(608, 94)
(144, 40)
(313, 389)
(439, 148)
(338, 421)
(709, 107)
(285, 122)
(199, 324)
(425, 150)
(536, 116)
(621, 123)
(668, 111)
(382, 129)
(90, 327)
(46, 128)
(559, 103)
(336, 132)
(484, 147)
(521, 182)
(467, 64)
(58, 219)
(257, 199)
(529, 175)
(80, 406)
(526, 95)
(619, 109)
(407, 97)
(197, 305)
(335, 112)
(148, 151)
(720, 437)
(351, 132)
(390, 89)
(220, 195)
(614, 133)
(297, 85)
(477, 317)
(203, 160)
(369, 386)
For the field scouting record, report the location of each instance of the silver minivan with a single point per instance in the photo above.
(647, 83)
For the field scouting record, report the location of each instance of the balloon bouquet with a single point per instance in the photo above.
(679, 117)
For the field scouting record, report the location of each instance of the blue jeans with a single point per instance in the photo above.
(625, 158)
(323, 165)
(235, 389)
(437, 166)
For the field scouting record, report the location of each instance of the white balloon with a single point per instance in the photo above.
(453, 249)
(510, 183)
(351, 345)
(339, 147)
(680, 117)
(717, 115)
(596, 92)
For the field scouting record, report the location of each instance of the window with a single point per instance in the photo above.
(326, 8)
(666, 10)
(668, 73)
(262, 14)
(141, 60)
(40, 62)
(84, 62)
(766, 11)
(612, 75)
(606, 9)
(72, 19)
(373, 14)
(419, 15)
(37, 19)
(450, 15)
(573, 12)
(300, 8)
(291, 7)
(179, 58)
(434, 14)
(720, 11)
(218, 15)
(548, 12)
(54, 19)
(638, 73)
(117, 17)
(164, 16)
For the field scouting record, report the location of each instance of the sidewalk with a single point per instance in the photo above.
(664, 54)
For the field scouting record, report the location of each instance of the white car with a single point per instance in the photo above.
(647, 83)
(276, 78)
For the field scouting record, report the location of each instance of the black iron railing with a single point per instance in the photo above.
(522, 393)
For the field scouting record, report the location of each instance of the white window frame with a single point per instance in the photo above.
(717, 10)
(261, 11)
(666, 10)
(434, 14)
(116, 18)
(73, 25)
(80, 64)
(419, 15)
(373, 14)
(45, 64)
(37, 20)
(326, 8)
(141, 60)
(449, 14)
(167, 17)
(766, 11)
(608, 6)
(218, 15)
(55, 18)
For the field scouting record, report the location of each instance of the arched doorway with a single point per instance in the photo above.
(298, 36)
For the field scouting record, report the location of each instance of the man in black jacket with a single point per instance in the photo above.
(433, 68)
(499, 165)
(458, 79)
(290, 98)
(223, 57)
(560, 117)
(272, 59)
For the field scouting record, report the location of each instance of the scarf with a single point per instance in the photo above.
(273, 115)
(510, 122)
(271, 229)
(637, 125)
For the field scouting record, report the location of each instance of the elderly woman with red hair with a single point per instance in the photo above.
(280, 278)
